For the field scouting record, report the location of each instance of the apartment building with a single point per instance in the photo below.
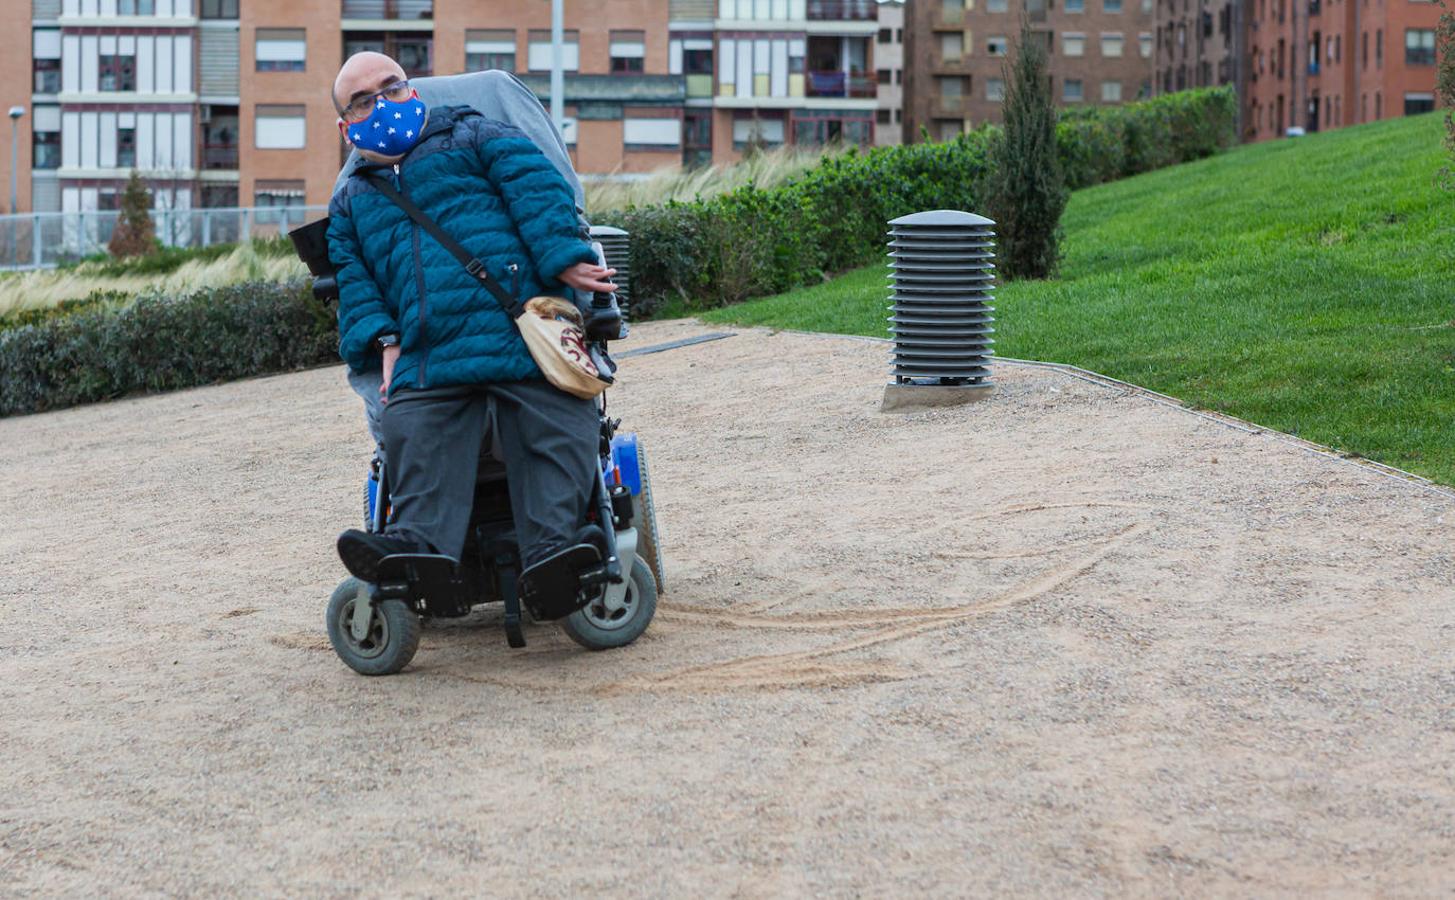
(765, 73)
(1319, 64)
(1199, 43)
(889, 73)
(223, 103)
(1100, 51)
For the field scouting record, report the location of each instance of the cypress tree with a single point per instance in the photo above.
(1026, 192)
(132, 235)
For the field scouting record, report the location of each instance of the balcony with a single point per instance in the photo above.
(843, 11)
(644, 90)
(841, 84)
(388, 9)
(219, 157)
(950, 105)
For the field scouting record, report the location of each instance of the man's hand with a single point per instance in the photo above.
(589, 277)
(391, 356)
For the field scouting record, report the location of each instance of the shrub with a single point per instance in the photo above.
(1025, 191)
(832, 217)
(159, 343)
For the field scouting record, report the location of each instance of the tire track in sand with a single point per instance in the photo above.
(809, 668)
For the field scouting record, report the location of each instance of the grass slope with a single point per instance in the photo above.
(1307, 285)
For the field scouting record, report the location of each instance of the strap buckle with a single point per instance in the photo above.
(475, 267)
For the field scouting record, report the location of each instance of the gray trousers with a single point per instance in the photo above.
(547, 439)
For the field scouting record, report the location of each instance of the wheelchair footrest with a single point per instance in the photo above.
(552, 588)
(429, 582)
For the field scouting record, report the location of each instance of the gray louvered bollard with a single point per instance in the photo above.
(941, 277)
(616, 244)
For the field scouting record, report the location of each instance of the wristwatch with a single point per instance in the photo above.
(386, 340)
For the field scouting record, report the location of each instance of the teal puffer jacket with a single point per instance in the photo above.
(492, 190)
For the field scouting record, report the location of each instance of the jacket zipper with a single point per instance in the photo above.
(419, 287)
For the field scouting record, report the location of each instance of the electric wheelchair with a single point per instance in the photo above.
(603, 590)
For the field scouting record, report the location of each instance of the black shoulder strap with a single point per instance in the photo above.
(474, 266)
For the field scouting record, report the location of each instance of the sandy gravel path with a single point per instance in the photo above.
(1065, 640)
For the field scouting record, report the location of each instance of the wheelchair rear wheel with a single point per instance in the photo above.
(393, 635)
(644, 515)
(597, 628)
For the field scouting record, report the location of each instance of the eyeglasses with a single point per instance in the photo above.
(361, 107)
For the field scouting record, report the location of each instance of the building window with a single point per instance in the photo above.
(952, 94)
(47, 76)
(279, 128)
(136, 7)
(1073, 43)
(1071, 90)
(538, 57)
(1378, 106)
(1111, 6)
(815, 128)
(1379, 48)
(126, 148)
(219, 137)
(117, 72)
(1111, 92)
(952, 46)
(949, 129)
(884, 76)
(995, 90)
(995, 46)
(280, 50)
(995, 6)
(658, 133)
(1111, 45)
(1364, 50)
(1146, 7)
(886, 35)
(413, 50)
(276, 199)
(45, 150)
(760, 132)
(883, 116)
(489, 50)
(1419, 47)
(1076, 6)
(952, 12)
(219, 9)
(628, 52)
(1144, 45)
(46, 61)
(1417, 103)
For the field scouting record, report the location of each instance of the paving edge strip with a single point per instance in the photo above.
(1223, 419)
(673, 345)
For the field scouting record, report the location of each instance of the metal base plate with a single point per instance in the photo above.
(917, 397)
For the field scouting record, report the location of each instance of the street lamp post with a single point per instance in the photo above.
(15, 113)
(557, 77)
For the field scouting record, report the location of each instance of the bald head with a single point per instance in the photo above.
(364, 73)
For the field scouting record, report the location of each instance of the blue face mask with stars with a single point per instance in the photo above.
(392, 129)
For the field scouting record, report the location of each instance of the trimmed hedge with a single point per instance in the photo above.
(1104, 143)
(707, 253)
(160, 344)
(751, 242)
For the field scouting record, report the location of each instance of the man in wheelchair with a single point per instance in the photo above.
(454, 367)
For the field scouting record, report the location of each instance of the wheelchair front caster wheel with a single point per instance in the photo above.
(393, 634)
(597, 627)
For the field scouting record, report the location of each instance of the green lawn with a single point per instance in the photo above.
(1307, 285)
